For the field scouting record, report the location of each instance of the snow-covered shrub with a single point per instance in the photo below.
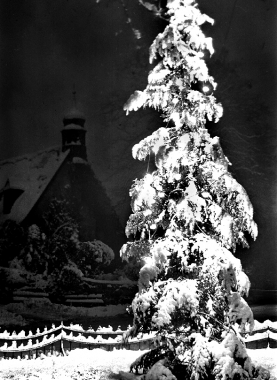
(94, 256)
(102, 253)
(64, 281)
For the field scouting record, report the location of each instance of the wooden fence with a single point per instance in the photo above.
(263, 337)
(62, 339)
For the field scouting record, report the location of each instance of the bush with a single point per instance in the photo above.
(94, 257)
(68, 280)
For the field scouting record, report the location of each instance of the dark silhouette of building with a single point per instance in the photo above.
(29, 183)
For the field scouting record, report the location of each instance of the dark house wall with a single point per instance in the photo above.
(88, 202)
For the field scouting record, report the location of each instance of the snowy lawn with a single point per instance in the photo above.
(79, 364)
(82, 364)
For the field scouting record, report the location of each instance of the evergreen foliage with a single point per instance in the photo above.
(188, 217)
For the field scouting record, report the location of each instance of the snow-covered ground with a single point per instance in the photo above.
(82, 363)
(96, 364)
(266, 358)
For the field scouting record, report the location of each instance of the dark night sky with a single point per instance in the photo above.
(47, 46)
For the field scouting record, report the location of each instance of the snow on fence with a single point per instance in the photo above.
(264, 335)
(62, 339)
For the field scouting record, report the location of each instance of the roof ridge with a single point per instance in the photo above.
(29, 155)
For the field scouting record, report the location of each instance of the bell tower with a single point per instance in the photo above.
(74, 132)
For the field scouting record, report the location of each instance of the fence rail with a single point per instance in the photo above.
(63, 338)
(66, 338)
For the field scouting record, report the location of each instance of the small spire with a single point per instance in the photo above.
(73, 112)
(74, 96)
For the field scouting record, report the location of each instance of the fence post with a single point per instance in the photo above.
(61, 343)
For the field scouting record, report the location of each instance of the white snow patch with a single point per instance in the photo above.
(266, 358)
(117, 361)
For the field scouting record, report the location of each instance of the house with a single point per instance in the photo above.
(29, 183)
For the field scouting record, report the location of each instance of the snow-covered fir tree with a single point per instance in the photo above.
(188, 217)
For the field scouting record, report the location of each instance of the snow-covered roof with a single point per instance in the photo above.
(30, 173)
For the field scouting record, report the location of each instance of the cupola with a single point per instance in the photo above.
(74, 134)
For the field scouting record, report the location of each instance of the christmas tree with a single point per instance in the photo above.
(188, 217)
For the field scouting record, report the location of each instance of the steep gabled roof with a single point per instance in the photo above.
(31, 173)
